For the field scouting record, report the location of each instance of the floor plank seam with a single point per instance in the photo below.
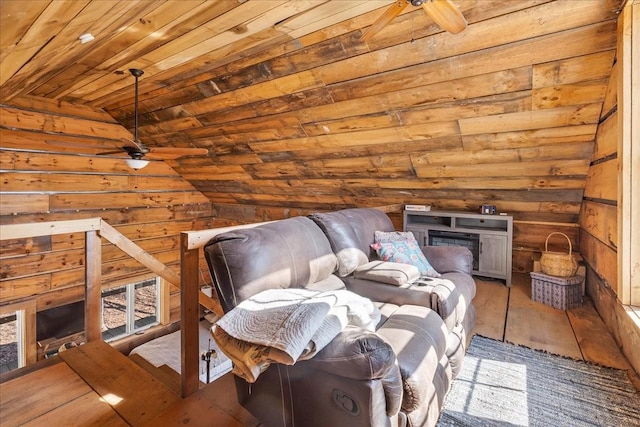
(506, 315)
(575, 335)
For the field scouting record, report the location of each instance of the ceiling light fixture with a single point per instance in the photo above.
(136, 164)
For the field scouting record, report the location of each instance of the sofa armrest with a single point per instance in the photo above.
(362, 355)
(449, 259)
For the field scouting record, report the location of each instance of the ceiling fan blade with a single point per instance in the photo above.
(171, 153)
(446, 15)
(162, 156)
(137, 145)
(107, 153)
(178, 151)
(394, 10)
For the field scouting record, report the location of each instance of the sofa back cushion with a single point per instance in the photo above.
(351, 233)
(291, 253)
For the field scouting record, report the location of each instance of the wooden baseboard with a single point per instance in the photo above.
(621, 325)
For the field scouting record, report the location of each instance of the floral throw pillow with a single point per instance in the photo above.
(394, 236)
(405, 252)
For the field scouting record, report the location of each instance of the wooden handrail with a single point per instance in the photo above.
(145, 258)
(126, 245)
(199, 238)
(37, 229)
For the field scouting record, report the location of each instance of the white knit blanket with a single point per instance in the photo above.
(287, 325)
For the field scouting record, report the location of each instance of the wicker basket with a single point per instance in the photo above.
(558, 264)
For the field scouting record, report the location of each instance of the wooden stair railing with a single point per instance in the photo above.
(188, 281)
(143, 257)
(94, 229)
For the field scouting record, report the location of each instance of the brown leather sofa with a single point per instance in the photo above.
(395, 376)
(450, 295)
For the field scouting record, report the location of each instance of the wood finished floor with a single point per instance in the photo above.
(78, 387)
(509, 314)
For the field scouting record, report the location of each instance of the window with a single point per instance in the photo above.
(130, 309)
(10, 346)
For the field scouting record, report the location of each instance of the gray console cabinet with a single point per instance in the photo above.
(488, 237)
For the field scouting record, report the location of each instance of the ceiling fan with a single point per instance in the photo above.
(137, 150)
(443, 12)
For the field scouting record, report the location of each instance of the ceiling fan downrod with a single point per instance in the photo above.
(136, 72)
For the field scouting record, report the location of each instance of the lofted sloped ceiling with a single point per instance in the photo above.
(297, 111)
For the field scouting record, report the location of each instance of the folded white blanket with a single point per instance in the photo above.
(287, 325)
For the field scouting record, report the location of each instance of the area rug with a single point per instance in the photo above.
(507, 385)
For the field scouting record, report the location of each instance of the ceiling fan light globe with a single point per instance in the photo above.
(446, 15)
(136, 164)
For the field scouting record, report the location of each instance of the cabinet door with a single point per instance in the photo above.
(493, 255)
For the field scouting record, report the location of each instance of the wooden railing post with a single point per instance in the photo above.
(189, 311)
(93, 291)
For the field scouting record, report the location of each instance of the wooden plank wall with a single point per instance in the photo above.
(503, 113)
(598, 214)
(44, 180)
(599, 218)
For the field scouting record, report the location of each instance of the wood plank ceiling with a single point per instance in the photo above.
(297, 111)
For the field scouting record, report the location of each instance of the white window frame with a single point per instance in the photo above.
(130, 302)
(25, 330)
(629, 154)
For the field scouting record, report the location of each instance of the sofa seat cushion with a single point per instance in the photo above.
(449, 295)
(386, 310)
(392, 273)
(331, 283)
(419, 338)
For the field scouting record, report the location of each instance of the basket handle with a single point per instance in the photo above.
(557, 232)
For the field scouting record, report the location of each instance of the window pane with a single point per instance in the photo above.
(145, 303)
(8, 342)
(114, 312)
